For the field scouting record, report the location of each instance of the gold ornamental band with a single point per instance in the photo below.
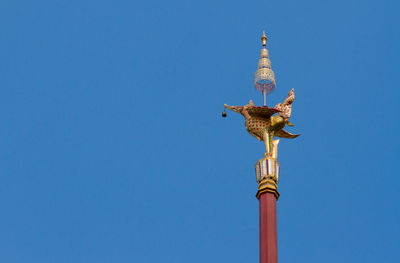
(267, 185)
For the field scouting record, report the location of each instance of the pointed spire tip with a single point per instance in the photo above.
(264, 39)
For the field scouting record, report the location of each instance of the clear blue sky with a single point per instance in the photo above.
(113, 149)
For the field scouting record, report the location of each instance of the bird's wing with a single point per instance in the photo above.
(285, 134)
(255, 111)
(262, 111)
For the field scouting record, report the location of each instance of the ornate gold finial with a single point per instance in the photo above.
(264, 39)
(264, 78)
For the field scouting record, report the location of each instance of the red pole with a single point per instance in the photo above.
(268, 228)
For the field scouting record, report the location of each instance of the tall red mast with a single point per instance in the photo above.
(268, 229)
(262, 123)
(267, 195)
(267, 171)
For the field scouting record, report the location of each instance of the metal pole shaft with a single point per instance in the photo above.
(268, 229)
(265, 98)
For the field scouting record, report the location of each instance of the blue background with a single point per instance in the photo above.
(113, 149)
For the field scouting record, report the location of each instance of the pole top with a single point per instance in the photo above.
(264, 39)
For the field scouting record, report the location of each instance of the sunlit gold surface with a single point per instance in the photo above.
(267, 186)
(264, 39)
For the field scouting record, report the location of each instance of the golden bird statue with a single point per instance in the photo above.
(261, 122)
